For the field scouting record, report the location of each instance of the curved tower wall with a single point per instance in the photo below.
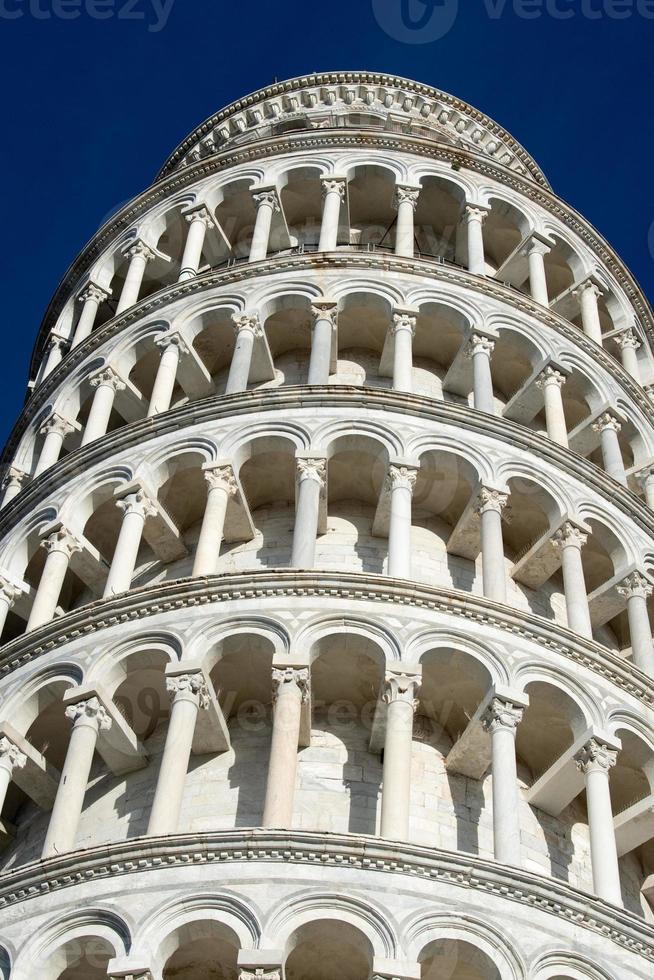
(326, 568)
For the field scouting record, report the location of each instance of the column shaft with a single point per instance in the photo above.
(537, 277)
(10, 758)
(291, 686)
(595, 761)
(193, 248)
(592, 327)
(550, 384)
(476, 254)
(400, 692)
(321, 345)
(641, 633)
(311, 481)
(570, 541)
(136, 508)
(92, 296)
(492, 551)
(334, 191)
(406, 200)
(133, 280)
(266, 203)
(501, 720)
(611, 452)
(404, 328)
(483, 382)
(207, 552)
(60, 546)
(400, 485)
(164, 383)
(98, 420)
(247, 328)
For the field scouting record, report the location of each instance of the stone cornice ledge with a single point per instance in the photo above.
(138, 604)
(339, 139)
(321, 850)
(323, 261)
(218, 407)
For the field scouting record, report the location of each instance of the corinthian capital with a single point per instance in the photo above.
(8, 591)
(588, 286)
(606, 421)
(628, 339)
(569, 536)
(193, 686)
(137, 503)
(285, 677)
(596, 757)
(550, 376)
(61, 540)
(199, 213)
(97, 294)
(404, 477)
(174, 339)
(10, 755)
(325, 309)
(403, 320)
(312, 469)
(14, 477)
(334, 185)
(107, 378)
(501, 714)
(635, 585)
(247, 321)
(478, 344)
(92, 710)
(260, 974)
(267, 196)
(57, 423)
(490, 499)
(406, 194)
(141, 249)
(221, 477)
(401, 687)
(476, 213)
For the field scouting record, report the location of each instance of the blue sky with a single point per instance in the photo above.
(97, 93)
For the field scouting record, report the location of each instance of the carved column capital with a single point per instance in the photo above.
(283, 677)
(403, 320)
(628, 339)
(14, 476)
(61, 540)
(56, 341)
(569, 536)
(141, 249)
(550, 376)
(8, 591)
(191, 686)
(137, 503)
(201, 214)
(259, 974)
(501, 714)
(475, 213)
(606, 421)
(173, 339)
(10, 755)
(635, 585)
(221, 477)
(247, 321)
(92, 711)
(314, 468)
(478, 344)
(406, 194)
(324, 310)
(596, 757)
(589, 287)
(107, 378)
(267, 196)
(57, 423)
(491, 499)
(401, 687)
(98, 294)
(401, 476)
(334, 185)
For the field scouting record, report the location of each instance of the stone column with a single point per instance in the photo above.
(324, 314)
(405, 201)
(629, 343)
(172, 346)
(55, 429)
(536, 252)
(290, 692)
(550, 383)
(10, 758)
(400, 694)
(88, 718)
(400, 483)
(189, 694)
(13, 484)
(333, 193)
(139, 255)
(267, 204)
(199, 221)
(501, 720)
(8, 595)
(403, 328)
(595, 761)
(311, 475)
(608, 427)
(646, 480)
(106, 383)
(222, 485)
(588, 294)
(136, 508)
(247, 329)
(92, 296)
(490, 505)
(61, 546)
(570, 540)
(636, 589)
(480, 350)
(56, 349)
(475, 218)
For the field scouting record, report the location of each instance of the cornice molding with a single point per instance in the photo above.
(338, 139)
(372, 261)
(257, 585)
(294, 397)
(329, 850)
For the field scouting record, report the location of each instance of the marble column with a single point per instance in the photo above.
(92, 296)
(475, 217)
(403, 329)
(629, 343)
(646, 479)
(247, 329)
(267, 203)
(400, 484)
(550, 383)
(588, 293)
(324, 314)
(536, 252)
(311, 476)
(172, 346)
(55, 429)
(221, 486)
(290, 691)
(480, 350)
(136, 508)
(189, 694)
(13, 483)
(11, 758)
(490, 504)
(636, 589)
(139, 254)
(89, 718)
(595, 761)
(570, 539)
(501, 720)
(8, 595)
(199, 222)
(106, 383)
(333, 194)
(400, 694)
(608, 427)
(405, 202)
(61, 546)
(56, 349)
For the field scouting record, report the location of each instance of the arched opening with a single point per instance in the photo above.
(301, 197)
(288, 329)
(456, 959)
(203, 948)
(372, 215)
(437, 218)
(85, 958)
(363, 323)
(327, 949)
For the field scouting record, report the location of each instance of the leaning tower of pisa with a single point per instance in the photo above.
(326, 565)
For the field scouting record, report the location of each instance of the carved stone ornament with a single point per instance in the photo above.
(285, 676)
(107, 378)
(491, 499)
(569, 536)
(138, 503)
(501, 714)
(401, 687)
(221, 478)
(550, 376)
(404, 477)
(635, 585)
(92, 710)
(190, 686)
(606, 421)
(247, 321)
(61, 540)
(10, 755)
(596, 757)
(312, 469)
